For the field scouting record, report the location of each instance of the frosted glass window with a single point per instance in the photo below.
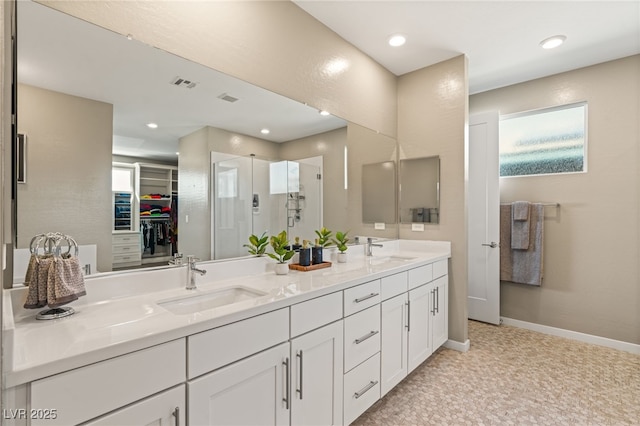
(545, 141)
(228, 184)
(122, 180)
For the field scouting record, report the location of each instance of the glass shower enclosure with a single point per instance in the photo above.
(253, 195)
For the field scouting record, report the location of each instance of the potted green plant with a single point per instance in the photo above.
(281, 252)
(341, 241)
(257, 245)
(323, 240)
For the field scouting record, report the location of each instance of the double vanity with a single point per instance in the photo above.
(246, 347)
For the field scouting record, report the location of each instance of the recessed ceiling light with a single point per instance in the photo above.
(397, 40)
(152, 125)
(325, 113)
(265, 131)
(551, 42)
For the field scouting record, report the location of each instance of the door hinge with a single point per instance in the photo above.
(319, 176)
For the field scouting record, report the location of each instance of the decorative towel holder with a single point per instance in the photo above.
(54, 277)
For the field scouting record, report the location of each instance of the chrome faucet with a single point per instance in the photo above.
(368, 249)
(191, 268)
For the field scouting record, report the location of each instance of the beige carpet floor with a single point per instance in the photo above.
(512, 376)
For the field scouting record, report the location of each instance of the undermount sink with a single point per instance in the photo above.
(184, 305)
(393, 258)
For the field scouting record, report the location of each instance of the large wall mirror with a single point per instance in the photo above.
(420, 190)
(86, 96)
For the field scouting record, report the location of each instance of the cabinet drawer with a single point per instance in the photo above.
(215, 348)
(87, 392)
(361, 388)
(361, 297)
(361, 336)
(127, 258)
(440, 268)
(126, 249)
(315, 313)
(126, 238)
(393, 285)
(420, 275)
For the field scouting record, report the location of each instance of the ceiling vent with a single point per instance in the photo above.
(228, 98)
(181, 82)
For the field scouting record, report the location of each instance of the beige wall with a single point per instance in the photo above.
(272, 44)
(329, 145)
(432, 117)
(591, 248)
(194, 181)
(68, 186)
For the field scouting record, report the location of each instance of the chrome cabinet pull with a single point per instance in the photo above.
(286, 382)
(433, 302)
(299, 355)
(369, 296)
(437, 290)
(176, 414)
(368, 336)
(408, 315)
(365, 389)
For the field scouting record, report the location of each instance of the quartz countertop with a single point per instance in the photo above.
(121, 314)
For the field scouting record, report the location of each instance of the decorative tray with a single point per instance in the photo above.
(299, 267)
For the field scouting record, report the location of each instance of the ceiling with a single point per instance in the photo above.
(68, 55)
(500, 38)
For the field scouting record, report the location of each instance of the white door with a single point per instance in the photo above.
(483, 207)
(166, 408)
(419, 347)
(316, 377)
(393, 351)
(253, 391)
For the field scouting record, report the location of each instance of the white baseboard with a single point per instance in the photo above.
(457, 346)
(574, 335)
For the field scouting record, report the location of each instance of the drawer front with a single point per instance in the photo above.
(127, 258)
(87, 392)
(215, 348)
(393, 285)
(361, 388)
(361, 297)
(361, 336)
(315, 313)
(133, 238)
(126, 249)
(420, 276)
(440, 268)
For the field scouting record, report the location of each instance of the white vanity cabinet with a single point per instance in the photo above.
(88, 392)
(166, 408)
(253, 391)
(414, 323)
(316, 377)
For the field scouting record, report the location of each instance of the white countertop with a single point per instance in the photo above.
(120, 313)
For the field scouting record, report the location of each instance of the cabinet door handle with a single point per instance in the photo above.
(433, 302)
(363, 298)
(286, 382)
(299, 391)
(176, 414)
(408, 315)
(437, 290)
(365, 389)
(368, 336)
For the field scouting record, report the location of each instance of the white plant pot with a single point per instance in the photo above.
(342, 257)
(282, 268)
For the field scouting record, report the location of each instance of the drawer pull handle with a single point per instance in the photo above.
(365, 389)
(368, 336)
(286, 383)
(176, 414)
(369, 296)
(408, 316)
